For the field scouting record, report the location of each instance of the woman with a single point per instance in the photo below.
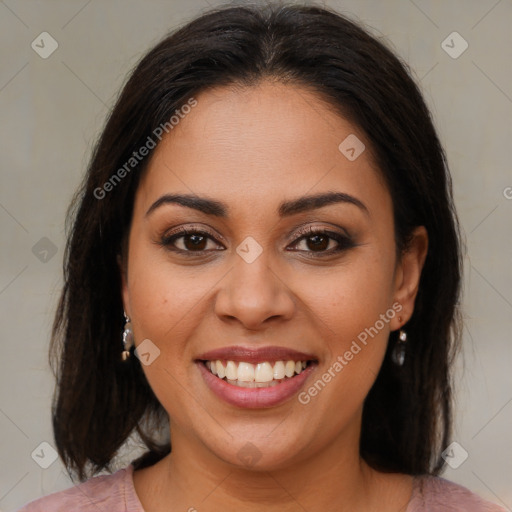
(267, 224)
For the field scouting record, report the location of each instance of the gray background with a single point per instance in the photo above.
(52, 110)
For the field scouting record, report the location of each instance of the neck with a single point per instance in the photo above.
(192, 477)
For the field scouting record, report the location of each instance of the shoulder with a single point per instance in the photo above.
(436, 493)
(113, 492)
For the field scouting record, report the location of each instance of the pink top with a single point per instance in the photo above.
(116, 493)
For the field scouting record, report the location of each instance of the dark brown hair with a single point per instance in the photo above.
(99, 401)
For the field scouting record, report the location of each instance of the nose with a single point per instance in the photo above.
(254, 294)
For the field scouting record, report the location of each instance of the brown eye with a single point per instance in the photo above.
(194, 242)
(188, 241)
(317, 242)
(323, 242)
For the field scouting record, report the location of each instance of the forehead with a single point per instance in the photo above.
(256, 145)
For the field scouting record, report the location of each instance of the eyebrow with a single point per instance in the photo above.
(286, 208)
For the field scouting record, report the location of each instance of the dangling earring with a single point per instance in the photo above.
(127, 338)
(398, 354)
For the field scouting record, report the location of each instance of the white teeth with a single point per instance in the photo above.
(279, 370)
(221, 372)
(289, 368)
(246, 372)
(242, 384)
(231, 371)
(248, 375)
(263, 372)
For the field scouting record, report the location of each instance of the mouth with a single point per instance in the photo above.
(261, 375)
(254, 378)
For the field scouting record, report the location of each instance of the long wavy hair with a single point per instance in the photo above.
(100, 401)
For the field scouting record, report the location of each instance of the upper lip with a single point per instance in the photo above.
(239, 353)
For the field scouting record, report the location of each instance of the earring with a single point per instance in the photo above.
(398, 354)
(127, 338)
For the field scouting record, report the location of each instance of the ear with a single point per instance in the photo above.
(408, 273)
(123, 270)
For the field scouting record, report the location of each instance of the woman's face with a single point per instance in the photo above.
(249, 285)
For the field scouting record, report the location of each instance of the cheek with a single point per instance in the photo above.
(166, 306)
(351, 296)
(164, 298)
(353, 308)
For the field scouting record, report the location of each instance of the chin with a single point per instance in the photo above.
(258, 453)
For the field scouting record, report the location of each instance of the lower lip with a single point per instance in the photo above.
(254, 398)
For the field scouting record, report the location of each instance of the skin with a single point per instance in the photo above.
(253, 148)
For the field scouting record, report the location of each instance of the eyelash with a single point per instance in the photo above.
(343, 241)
